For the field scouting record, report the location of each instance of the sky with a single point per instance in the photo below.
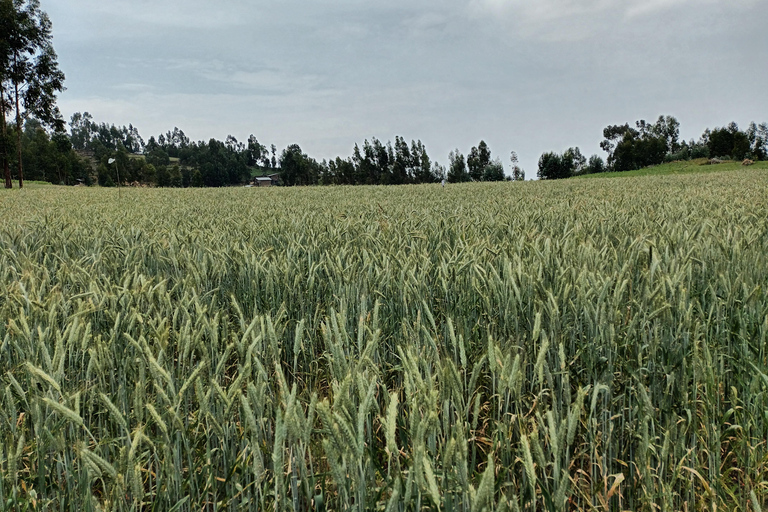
(523, 75)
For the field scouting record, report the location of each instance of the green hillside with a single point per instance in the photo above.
(681, 167)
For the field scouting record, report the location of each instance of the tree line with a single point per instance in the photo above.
(83, 155)
(647, 144)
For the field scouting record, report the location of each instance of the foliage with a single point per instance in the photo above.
(518, 174)
(547, 346)
(595, 165)
(49, 157)
(689, 151)
(554, 166)
(296, 168)
(494, 171)
(757, 136)
(732, 142)
(379, 164)
(647, 144)
(478, 159)
(457, 168)
(103, 138)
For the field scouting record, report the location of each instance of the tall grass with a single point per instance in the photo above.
(589, 345)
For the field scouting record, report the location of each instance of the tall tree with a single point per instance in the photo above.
(457, 169)
(7, 24)
(255, 151)
(296, 168)
(758, 140)
(668, 128)
(629, 148)
(479, 157)
(517, 173)
(30, 71)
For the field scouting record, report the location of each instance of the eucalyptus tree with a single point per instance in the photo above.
(457, 169)
(7, 18)
(518, 174)
(29, 72)
(479, 157)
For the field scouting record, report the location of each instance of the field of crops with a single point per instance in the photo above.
(579, 345)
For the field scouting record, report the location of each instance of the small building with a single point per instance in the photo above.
(270, 180)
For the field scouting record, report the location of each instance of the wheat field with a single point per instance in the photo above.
(581, 345)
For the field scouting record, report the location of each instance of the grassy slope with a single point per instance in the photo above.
(685, 167)
(29, 184)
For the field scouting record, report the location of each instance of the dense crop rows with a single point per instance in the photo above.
(586, 345)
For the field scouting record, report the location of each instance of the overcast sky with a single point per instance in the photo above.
(524, 75)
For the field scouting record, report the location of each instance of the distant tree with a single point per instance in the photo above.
(296, 168)
(50, 157)
(186, 176)
(151, 144)
(477, 160)
(494, 171)
(758, 140)
(634, 148)
(81, 129)
(175, 178)
(438, 172)
(457, 168)
(595, 165)
(100, 138)
(423, 171)
(163, 176)
(668, 128)
(255, 151)
(233, 145)
(158, 157)
(576, 161)
(339, 172)
(107, 176)
(517, 173)
(720, 142)
(196, 179)
(729, 142)
(553, 166)
(402, 167)
(149, 173)
(175, 142)
(220, 164)
(741, 146)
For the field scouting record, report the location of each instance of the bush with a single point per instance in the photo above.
(699, 151)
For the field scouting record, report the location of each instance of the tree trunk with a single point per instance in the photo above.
(4, 142)
(18, 134)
